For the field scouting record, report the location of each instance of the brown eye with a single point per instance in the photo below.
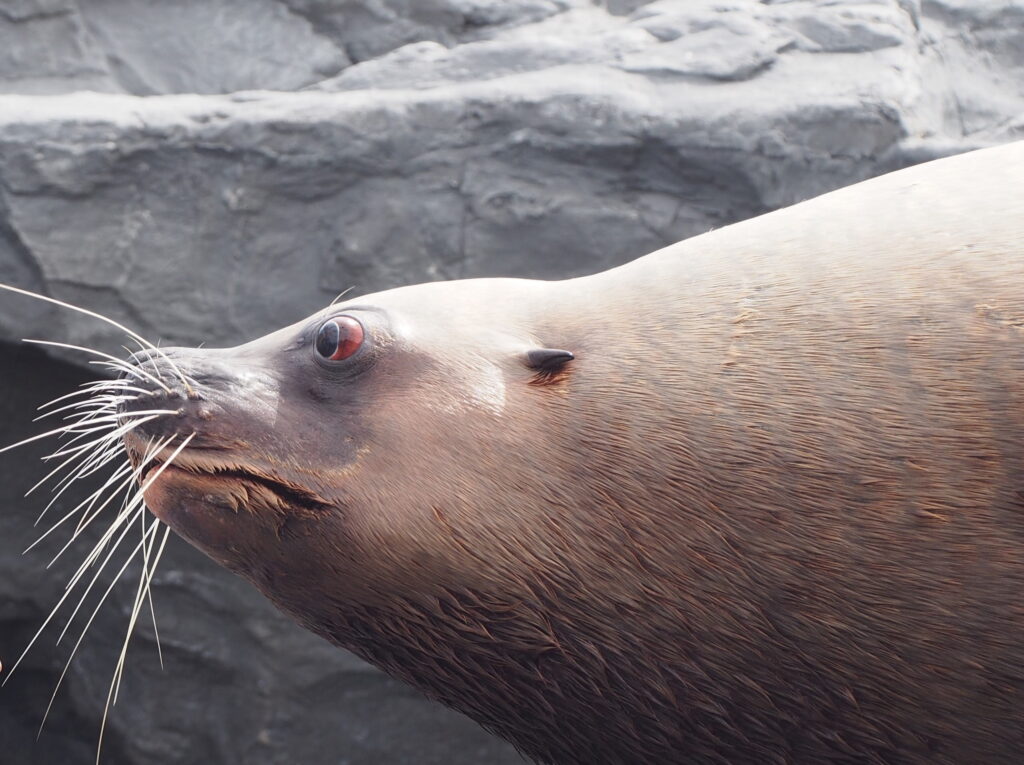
(339, 338)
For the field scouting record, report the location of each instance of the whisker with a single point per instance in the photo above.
(110, 439)
(144, 585)
(117, 363)
(125, 523)
(122, 471)
(84, 389)
(133, 335)
(90, 439)
(65, 464)
(92, 617)
(47, 434)
(115, 680)
(121, 366)
(69, 461)
(149, 598)
(130, 504)
(140, 597)
(89, 518)
(111, 452)
(341, 295)
(102, 423)
(53, 613)
(107, 400)
(105, 450)
(91, 426)
(106, 435)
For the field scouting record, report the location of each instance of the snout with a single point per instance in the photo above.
(166, 396)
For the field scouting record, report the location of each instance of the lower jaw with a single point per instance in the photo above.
(196, 506)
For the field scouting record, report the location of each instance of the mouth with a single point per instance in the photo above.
(209, 464)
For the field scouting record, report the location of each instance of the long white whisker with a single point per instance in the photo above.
(130, 504)
(92, 616)
(85, 389)
(126, 524)
(64, 464)
(108, 434)
(90, 500)
(90, 426)
(149, 598)
(91, 437)
(102, 459)
(140, 598)
(133, 335)
(87, 519)
(47, 434)
(71, 446)
(106, 401)
(120, 663)
(114, 453)
(104, 450)
(117, 363)
(81, 410)
(49, 618)
(106, 420)
(135, 371)
(115, 682)
(99, 444)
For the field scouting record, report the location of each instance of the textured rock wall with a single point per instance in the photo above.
(237, 163)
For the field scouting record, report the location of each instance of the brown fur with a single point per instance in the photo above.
(772, 512)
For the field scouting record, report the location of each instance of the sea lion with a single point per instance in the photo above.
(756, 497)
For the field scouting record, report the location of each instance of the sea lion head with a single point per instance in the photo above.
(357, 456)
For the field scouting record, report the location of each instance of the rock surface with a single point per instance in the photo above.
(235, 164)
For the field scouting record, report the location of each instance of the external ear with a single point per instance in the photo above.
(548, 360)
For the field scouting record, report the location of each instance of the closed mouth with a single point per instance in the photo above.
(200, 462)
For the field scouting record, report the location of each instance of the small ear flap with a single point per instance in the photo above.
(547, 359)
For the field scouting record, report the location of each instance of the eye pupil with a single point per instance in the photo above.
(339, 338)
(327, 339)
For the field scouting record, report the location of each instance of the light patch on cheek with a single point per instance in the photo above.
(265, 399)
(488, 390)
(272, 406)
(478, 388)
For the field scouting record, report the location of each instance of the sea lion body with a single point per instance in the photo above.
(772, 511)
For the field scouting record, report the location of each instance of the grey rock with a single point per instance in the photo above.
(856, 29)
(209, 47)
(46, 48)
(141, 47)
(408, 140)
(221, 46)
(367, 29)
(733, 49)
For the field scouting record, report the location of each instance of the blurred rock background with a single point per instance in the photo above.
(210, 170)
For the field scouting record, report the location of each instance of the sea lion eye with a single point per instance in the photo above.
(339, 338)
